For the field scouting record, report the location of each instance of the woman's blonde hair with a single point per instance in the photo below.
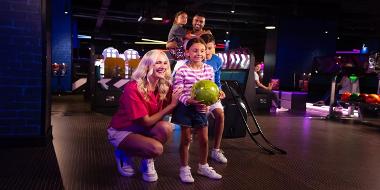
(145, 69)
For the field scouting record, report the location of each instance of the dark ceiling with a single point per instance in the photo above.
(115, 22)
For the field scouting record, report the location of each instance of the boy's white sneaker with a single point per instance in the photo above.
(217, 155)
(208, 171)
(185, 174)
(124, 163)
(149, 173)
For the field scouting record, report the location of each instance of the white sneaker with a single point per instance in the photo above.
(148, 170)
(218, 156)
(281, 109)
(185, 174)
(124, 163)
(208, 171)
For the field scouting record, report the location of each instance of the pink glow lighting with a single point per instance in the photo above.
(354, 51)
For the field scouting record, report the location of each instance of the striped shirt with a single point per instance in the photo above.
(186, 77)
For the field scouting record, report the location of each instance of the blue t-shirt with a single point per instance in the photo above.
(216, 63)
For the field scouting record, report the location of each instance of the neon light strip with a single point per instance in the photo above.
(354, 51)
(151, 43)
(80, 36)
(149, 40)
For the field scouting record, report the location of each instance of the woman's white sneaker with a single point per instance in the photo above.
(148, 170)
(208, 171)
(124, 163)
(185, 174)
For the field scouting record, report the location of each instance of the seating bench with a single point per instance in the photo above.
(294, 101)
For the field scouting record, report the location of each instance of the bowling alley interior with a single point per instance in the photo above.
(207, 94)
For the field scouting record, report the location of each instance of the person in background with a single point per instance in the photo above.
(177, 35)
(262, 89)
(191, 113)
(216, 109)
(197, 30)
(198, 24)
(137, 129)
(346, 85)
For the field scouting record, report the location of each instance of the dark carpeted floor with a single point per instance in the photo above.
(321, 155)
(29, 168)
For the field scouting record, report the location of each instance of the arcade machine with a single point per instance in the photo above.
(235, 67)
(237, 108)
(112, 73)
(374, 66)
(132, 59)
(369, 104)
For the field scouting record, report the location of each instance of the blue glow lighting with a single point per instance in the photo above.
(364, 49)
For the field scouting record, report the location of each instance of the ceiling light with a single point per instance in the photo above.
(233, 7)
(227, 32)
(81, 36)
(157, 18)
(270, 27)
(139, 19)
(338, 38)
(326, 32)
(66, 12)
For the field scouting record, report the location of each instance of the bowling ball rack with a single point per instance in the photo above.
(366, 112)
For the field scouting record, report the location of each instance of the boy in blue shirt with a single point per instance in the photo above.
(217, 108)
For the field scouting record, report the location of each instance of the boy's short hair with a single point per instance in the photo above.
(208, 38)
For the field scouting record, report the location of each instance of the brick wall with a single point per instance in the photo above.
(21, 69)
(61, 43)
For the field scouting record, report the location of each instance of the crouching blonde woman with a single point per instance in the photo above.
(137, 129)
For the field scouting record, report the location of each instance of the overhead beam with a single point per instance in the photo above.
(133, 19)
(102, 13)
(83, 10)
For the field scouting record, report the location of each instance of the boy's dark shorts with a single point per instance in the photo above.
(188, 116)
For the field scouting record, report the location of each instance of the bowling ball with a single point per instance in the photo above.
(363, 97)
(354, 97)
(353, 78)
(373, 99)
(345, 96)
(205, 91)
